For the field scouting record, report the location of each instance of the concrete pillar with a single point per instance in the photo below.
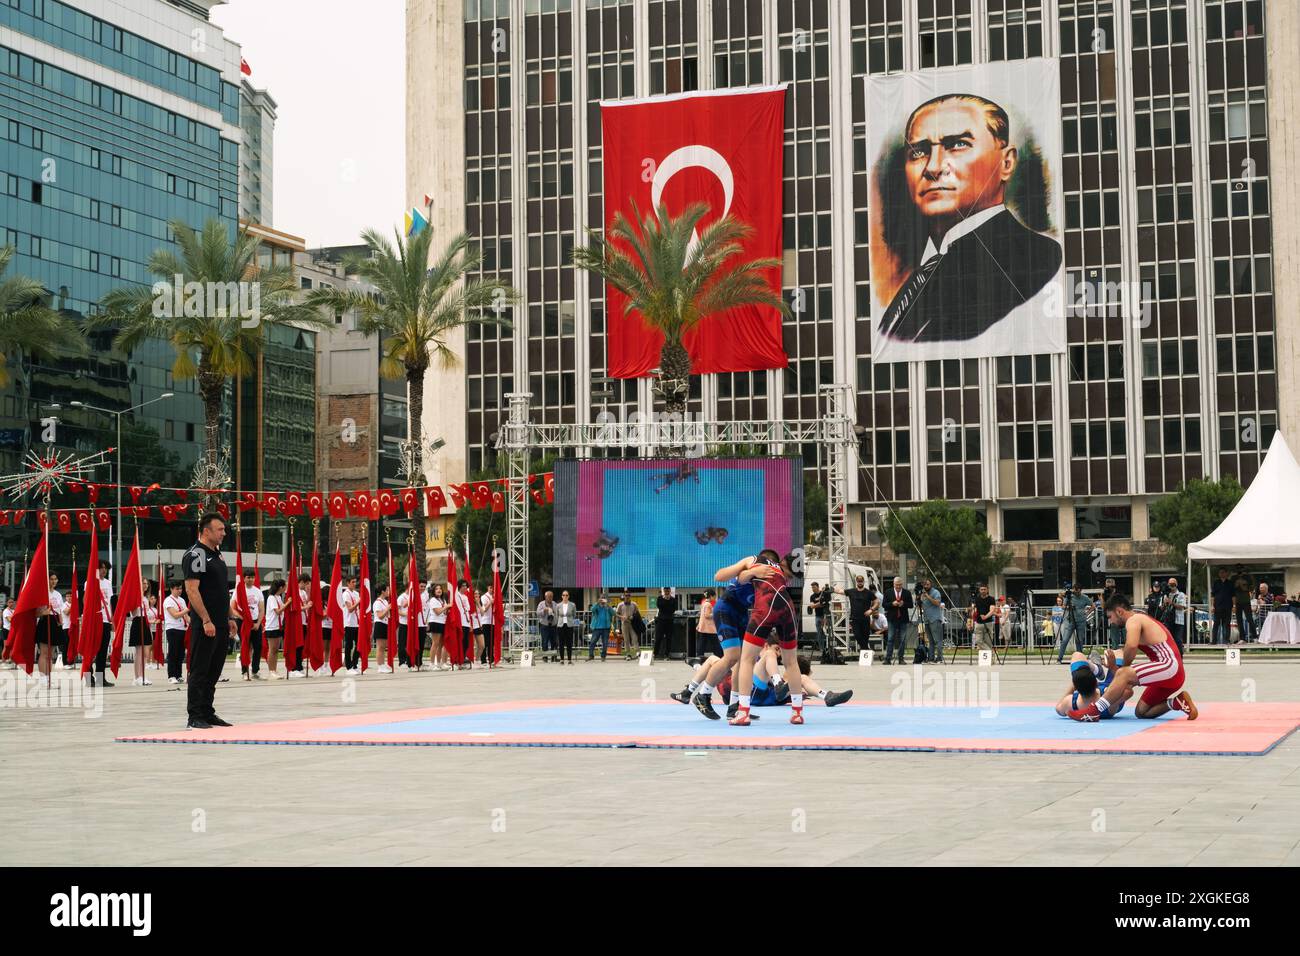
(435, 164)
(1282, 32)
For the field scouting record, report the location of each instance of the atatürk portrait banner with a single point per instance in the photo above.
(966, 212)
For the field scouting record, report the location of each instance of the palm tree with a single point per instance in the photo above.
(674, 277)
(213, 337)
(28, 324)
(413, 307)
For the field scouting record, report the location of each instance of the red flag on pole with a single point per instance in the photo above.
(241, 604)
(336, 613)
(130, 599)
(451, 630)
(34, 595)
(413, 610)
(291, 614)
(91, 632)
(392, 603)
(159, 656)
(498, 612)
(257, 583)
(74, 617)
(364, 619)
(315, 640)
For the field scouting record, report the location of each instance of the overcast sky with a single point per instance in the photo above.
(335, 69)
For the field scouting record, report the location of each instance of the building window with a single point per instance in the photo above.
(1029, 524)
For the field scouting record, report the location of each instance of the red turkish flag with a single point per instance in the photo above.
(247, 501)
(721, 147)
(434, 500)
(84, 521)
(410, 499)
(315, 504)
(338, 504)
(103, 520)
(387, 503)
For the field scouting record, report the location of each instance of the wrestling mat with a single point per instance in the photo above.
(1229, 729)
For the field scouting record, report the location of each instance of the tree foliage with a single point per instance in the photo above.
(953, 541)
(1192, 512)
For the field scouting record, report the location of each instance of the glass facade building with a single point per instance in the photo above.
(1166, 181)
(115, 119)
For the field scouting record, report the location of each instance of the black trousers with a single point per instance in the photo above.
(101, 656)
(663, 636)
(402, 657)
(351, 658)
(175, 652)
(861, 633)
(564, 636)
(255, 649)
(209, 656)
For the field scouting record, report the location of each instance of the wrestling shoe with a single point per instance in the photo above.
(1086, 715)
(1097, 656)
(741, 719)
(735, 706)
(682, 696)
(705, 706)
(796, 715)
(1183, 701)
(834, 697)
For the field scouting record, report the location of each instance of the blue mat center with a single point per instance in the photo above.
(852, 720)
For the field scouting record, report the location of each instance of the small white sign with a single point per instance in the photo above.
(1232, 656)
(526, 659)
(866, 657)
(986, 657)
(646, 659)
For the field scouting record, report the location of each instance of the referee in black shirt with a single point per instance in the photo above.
(208, 588)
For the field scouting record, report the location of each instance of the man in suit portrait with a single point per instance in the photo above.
(980, 263)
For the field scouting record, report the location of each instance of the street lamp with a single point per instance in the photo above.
(117, 545)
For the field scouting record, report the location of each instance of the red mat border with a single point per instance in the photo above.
(1269, 725)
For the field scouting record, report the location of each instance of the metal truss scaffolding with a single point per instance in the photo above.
(520, 438)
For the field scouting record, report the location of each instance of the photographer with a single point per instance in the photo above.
(1156, 600)
(930, 607)
(1075, 620)
(1174, 611)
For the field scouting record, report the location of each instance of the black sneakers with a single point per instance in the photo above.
(834, 697)
(705, 706)
(193, 724)
(215, 721)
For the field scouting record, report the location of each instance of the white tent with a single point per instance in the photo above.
(1265, 524)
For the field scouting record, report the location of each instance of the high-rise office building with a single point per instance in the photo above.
(116, 118)
(1171, 145)
(256, 154)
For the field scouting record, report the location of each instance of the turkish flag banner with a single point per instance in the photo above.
(721, 147)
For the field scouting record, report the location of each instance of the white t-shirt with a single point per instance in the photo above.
(403, 602)
(349, 601)
(150, 616)
(8, 616)
(56, 603)
(274, 612)
(302, 603)
(174, 610)
(437, 609)
(254, 602)
(467, 616)
(106, 604)
(380, 610)
(65, 615)
(485, 608)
